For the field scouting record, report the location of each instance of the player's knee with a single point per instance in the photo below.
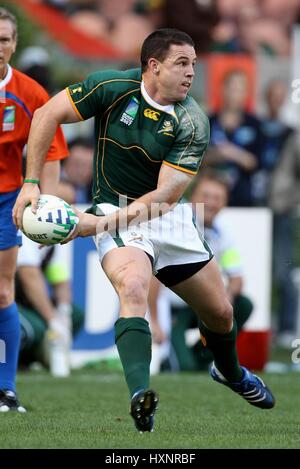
(135, 290)
(6, 296)
(225, 318)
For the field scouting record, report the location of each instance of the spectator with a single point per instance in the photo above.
(46, 320)
(196, 17)
(254, 27)
(235, 140)
(91, 23)
(284, 13)
(20, 98)
(35, 62)
(284, 198)
(112, 19)
(211, 190)
(258, 33)
(124, 17)
(274, 135)
(76, 176)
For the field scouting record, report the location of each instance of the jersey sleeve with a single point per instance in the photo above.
(191, 143)
(89, 97)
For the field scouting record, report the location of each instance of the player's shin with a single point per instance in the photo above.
(223, 347)
(133, 340)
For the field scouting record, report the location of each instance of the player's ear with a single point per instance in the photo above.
(153, 65)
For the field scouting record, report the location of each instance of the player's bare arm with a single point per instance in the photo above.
(50, 177)
(57, 110)
(170, 187)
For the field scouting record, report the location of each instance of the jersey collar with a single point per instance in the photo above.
(7, 78)
(169, 109)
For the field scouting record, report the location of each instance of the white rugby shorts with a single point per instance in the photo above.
(170, 240)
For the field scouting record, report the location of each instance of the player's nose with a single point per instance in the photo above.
(190, 72)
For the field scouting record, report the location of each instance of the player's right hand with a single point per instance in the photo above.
(29, 194)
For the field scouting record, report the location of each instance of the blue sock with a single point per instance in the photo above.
(9, 346)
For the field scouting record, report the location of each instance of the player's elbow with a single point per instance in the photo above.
(38, 113)
(41, 114)
(46, 113)
(167, 198)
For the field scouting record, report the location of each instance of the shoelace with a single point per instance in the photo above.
(250, 386)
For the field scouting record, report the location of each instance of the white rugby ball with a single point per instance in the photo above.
(53, 222)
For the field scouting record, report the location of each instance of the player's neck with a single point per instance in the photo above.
(151, 97)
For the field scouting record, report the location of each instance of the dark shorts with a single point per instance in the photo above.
(173, 274)
(10, 236)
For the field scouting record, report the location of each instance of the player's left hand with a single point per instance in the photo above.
(85, 227)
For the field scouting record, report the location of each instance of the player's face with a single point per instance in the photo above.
(7, 45)
(214, 197)
(174, 76)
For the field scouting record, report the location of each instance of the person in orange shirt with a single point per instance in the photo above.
(20, 96)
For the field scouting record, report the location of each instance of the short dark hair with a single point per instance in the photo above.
(158, 43)
(7, 15)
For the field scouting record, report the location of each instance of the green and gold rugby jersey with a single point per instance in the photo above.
(134, 135)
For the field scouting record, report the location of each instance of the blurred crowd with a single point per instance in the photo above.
(257, 156)
(230, 26)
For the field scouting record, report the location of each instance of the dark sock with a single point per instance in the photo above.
(133, 340)
(223, 347)
(242, 308)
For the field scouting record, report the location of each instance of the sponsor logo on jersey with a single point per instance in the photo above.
(151, 114)
(130, 112)
(167, 128)
(9, 115)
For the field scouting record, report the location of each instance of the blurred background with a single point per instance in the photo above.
(248, 66)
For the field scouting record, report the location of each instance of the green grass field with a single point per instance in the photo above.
(90, 410)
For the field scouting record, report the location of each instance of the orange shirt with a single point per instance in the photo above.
(20, 96)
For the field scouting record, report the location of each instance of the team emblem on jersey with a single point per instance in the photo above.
(154, 115)
(167, 128)
(130, 111)
(9, 116)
